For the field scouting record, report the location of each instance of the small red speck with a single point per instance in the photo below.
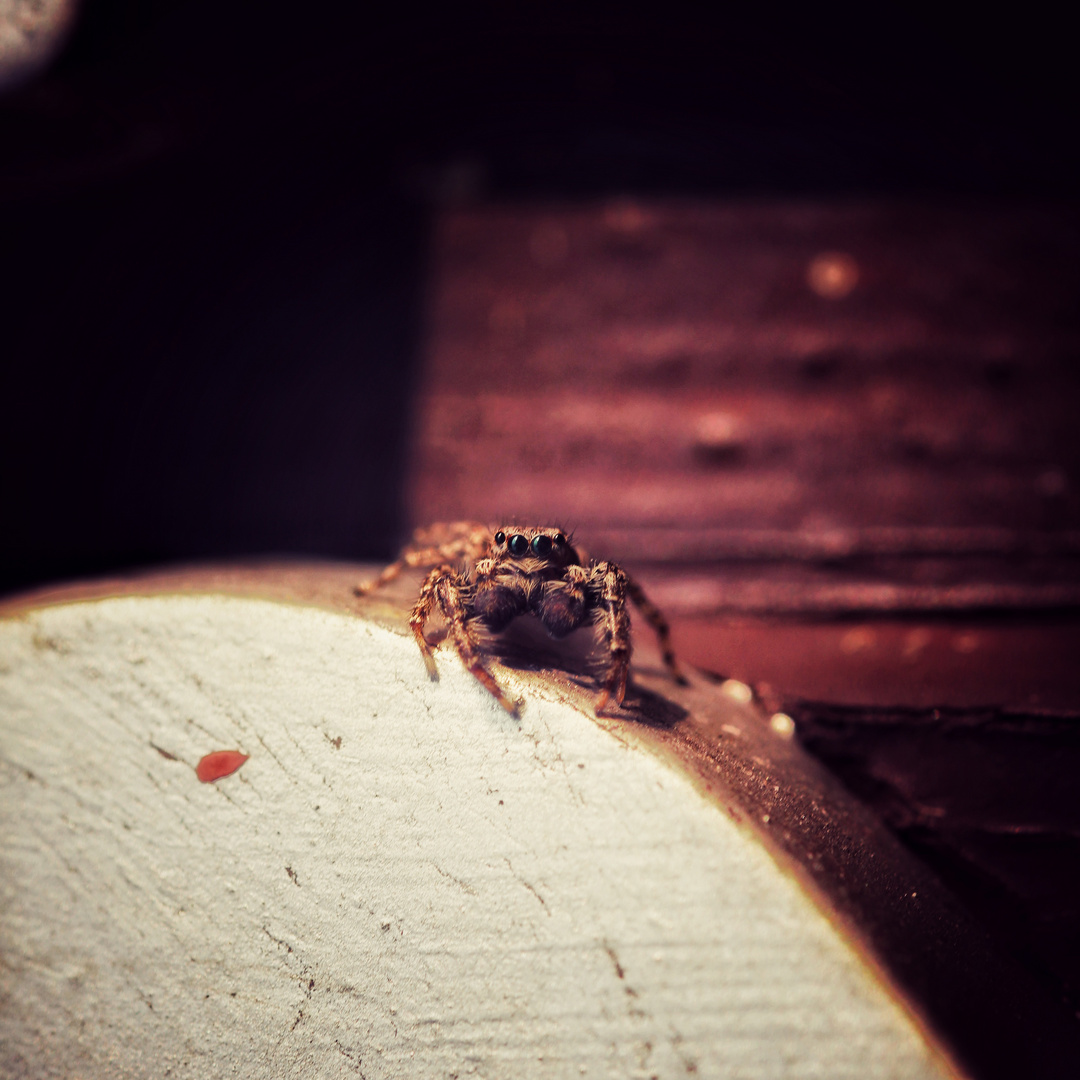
(218, 764)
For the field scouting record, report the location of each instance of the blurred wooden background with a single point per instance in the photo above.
(774, 408)
(878, 385)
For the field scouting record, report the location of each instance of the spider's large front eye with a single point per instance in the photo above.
(518, 545)
(541, 545)
(500, 536)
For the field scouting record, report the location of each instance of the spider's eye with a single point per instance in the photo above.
(541, 545)
(559, 538)
(500, 536)
(518, 545)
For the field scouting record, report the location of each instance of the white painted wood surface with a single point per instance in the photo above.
(401, 881)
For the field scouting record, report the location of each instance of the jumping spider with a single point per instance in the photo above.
(489, 576)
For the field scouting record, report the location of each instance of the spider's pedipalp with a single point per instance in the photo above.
(563, 605)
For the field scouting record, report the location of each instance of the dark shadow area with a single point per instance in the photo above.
(526, 646)
(204, 369)
(986, 797)
(647, 707)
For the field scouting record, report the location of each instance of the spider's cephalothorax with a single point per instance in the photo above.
(510, 571)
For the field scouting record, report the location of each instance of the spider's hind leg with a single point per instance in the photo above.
(455, 540)
(655, 618)
(386, 575)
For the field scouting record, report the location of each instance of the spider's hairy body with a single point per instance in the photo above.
(504, 572)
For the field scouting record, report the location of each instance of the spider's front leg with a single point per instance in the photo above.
(608, 585)
(421, 612)
(449, 589)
